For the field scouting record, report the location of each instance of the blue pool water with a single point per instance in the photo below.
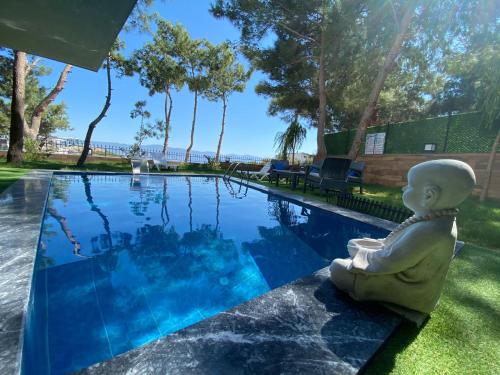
(125, 260)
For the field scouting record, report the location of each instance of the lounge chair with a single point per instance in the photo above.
(278, 166)
(354, 177)
(161, 160)
(325, 174)
(355, 174)
(259, 175)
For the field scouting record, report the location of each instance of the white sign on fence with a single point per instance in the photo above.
(375, 144)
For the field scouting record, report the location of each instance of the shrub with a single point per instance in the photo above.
(32, 150)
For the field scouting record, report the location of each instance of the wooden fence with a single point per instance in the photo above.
(391, 170)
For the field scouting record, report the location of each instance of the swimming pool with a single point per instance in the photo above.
(124, 260)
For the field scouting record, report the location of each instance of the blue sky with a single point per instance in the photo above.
(249, 129)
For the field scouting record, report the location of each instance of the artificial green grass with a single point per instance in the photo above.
(462, 335)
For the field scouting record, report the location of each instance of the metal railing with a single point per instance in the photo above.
(63, 146)
(231, 169)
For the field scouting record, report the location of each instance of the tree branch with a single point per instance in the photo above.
(297, 33)
(42, 106)
(31, 65)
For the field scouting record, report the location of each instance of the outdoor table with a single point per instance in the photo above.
(294, 176)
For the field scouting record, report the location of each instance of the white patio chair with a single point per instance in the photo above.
(260, 175)
(161, 160)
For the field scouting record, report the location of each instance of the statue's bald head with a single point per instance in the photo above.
(453, 178)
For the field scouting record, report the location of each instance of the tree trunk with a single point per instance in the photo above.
(36, 117)
(140, 137)
(378, 85)
(224, 106)
(16, 141)
(188, 151)
(168, 113)
(320, 136)
(489, 168)
(93, 124)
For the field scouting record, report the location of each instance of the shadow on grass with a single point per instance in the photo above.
(384, 360)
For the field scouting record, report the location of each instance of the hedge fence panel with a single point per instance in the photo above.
(461, 133)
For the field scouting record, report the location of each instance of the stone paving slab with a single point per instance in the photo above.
(21, 211)
(305, 327)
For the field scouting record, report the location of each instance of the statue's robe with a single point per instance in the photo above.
(409, 270)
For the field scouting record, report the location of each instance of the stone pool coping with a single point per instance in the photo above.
(304, 327)
(22, 206)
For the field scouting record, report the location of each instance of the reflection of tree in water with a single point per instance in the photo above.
(63, 223)
(281, 256)
(59, 192)
(146, 195)
(96, 209)
(158, 252)
(59, 189)
(282, 210)
(164, 210)
(190, 202)
(217, 206)
(326, 233)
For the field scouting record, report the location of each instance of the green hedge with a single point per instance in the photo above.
(465, 135)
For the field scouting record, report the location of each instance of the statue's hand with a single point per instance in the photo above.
(368, 244)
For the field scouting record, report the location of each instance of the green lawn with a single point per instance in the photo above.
(116, 166)
(462, 336)
(9, 174)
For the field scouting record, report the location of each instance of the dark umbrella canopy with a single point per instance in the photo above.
(77, 32)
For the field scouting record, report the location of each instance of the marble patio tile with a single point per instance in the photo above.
(21, 213)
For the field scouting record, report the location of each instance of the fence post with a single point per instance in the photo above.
(448, 123)
(347, 139)
(387, 127)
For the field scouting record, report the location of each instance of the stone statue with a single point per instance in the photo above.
(409, 266)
